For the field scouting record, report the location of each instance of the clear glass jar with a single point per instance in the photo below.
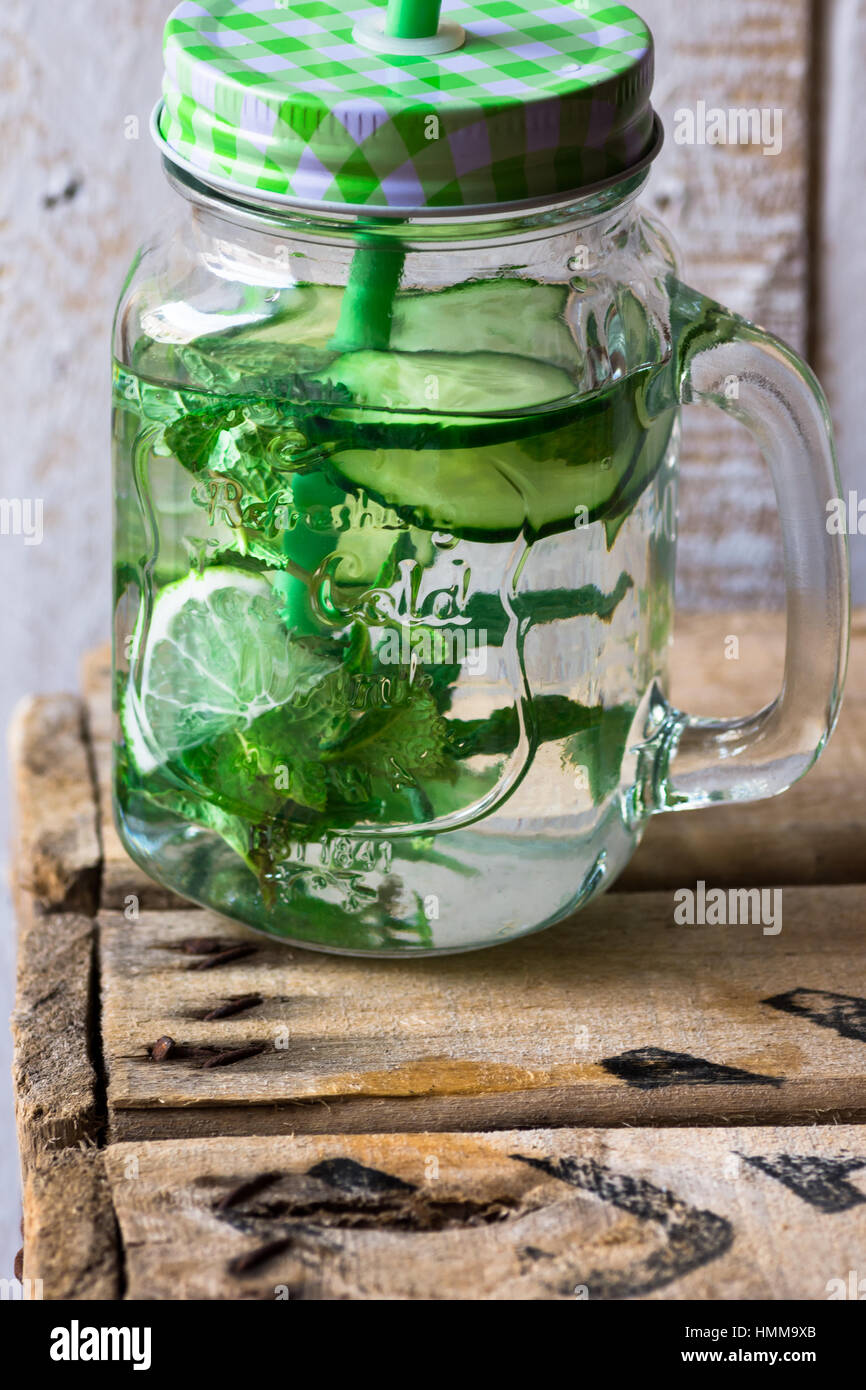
(395, 541)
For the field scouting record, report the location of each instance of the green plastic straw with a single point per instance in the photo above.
(368, 300)
(412, 19)
(368, 303)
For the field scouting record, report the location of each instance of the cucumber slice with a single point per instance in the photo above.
(451, 383)
(503, 316)
(307, 315)
(464, 491)
(590, 465)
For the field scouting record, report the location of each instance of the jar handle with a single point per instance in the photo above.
(724, 361)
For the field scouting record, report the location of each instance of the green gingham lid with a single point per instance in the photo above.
(281, 100)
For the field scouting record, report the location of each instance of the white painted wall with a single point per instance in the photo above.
(78, 194)
(740, 218)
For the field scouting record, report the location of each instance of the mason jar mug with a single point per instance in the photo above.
(396, 522)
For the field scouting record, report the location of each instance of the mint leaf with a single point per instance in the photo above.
(246, 450)
(285, 372)
(399, 742)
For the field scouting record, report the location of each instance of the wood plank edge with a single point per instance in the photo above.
(56, 859)
(69, 1229)
(795, 1104)
(72, 1246)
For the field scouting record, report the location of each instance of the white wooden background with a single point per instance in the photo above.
(779, 239)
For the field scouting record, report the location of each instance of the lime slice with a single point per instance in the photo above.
(215, 656)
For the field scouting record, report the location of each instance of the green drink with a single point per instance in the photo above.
(396, 450)
(331, 615)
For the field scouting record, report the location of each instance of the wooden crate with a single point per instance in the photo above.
(619, 1107)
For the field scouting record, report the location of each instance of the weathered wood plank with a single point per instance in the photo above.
(619, 1017)
(71, 1248)
(673, 1214)
(124, 884)
(741, 219)
(814, 833)
(53, 1073)
(70, 1245)
(57, 857)
(56, 862)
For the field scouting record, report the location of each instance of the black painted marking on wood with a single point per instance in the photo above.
(844, 1013)
(650, 1067)
(693, 1237)
(357, 1179)
(340, 1194)
(822, 1182)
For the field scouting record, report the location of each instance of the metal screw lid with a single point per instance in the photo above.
(297, 101)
